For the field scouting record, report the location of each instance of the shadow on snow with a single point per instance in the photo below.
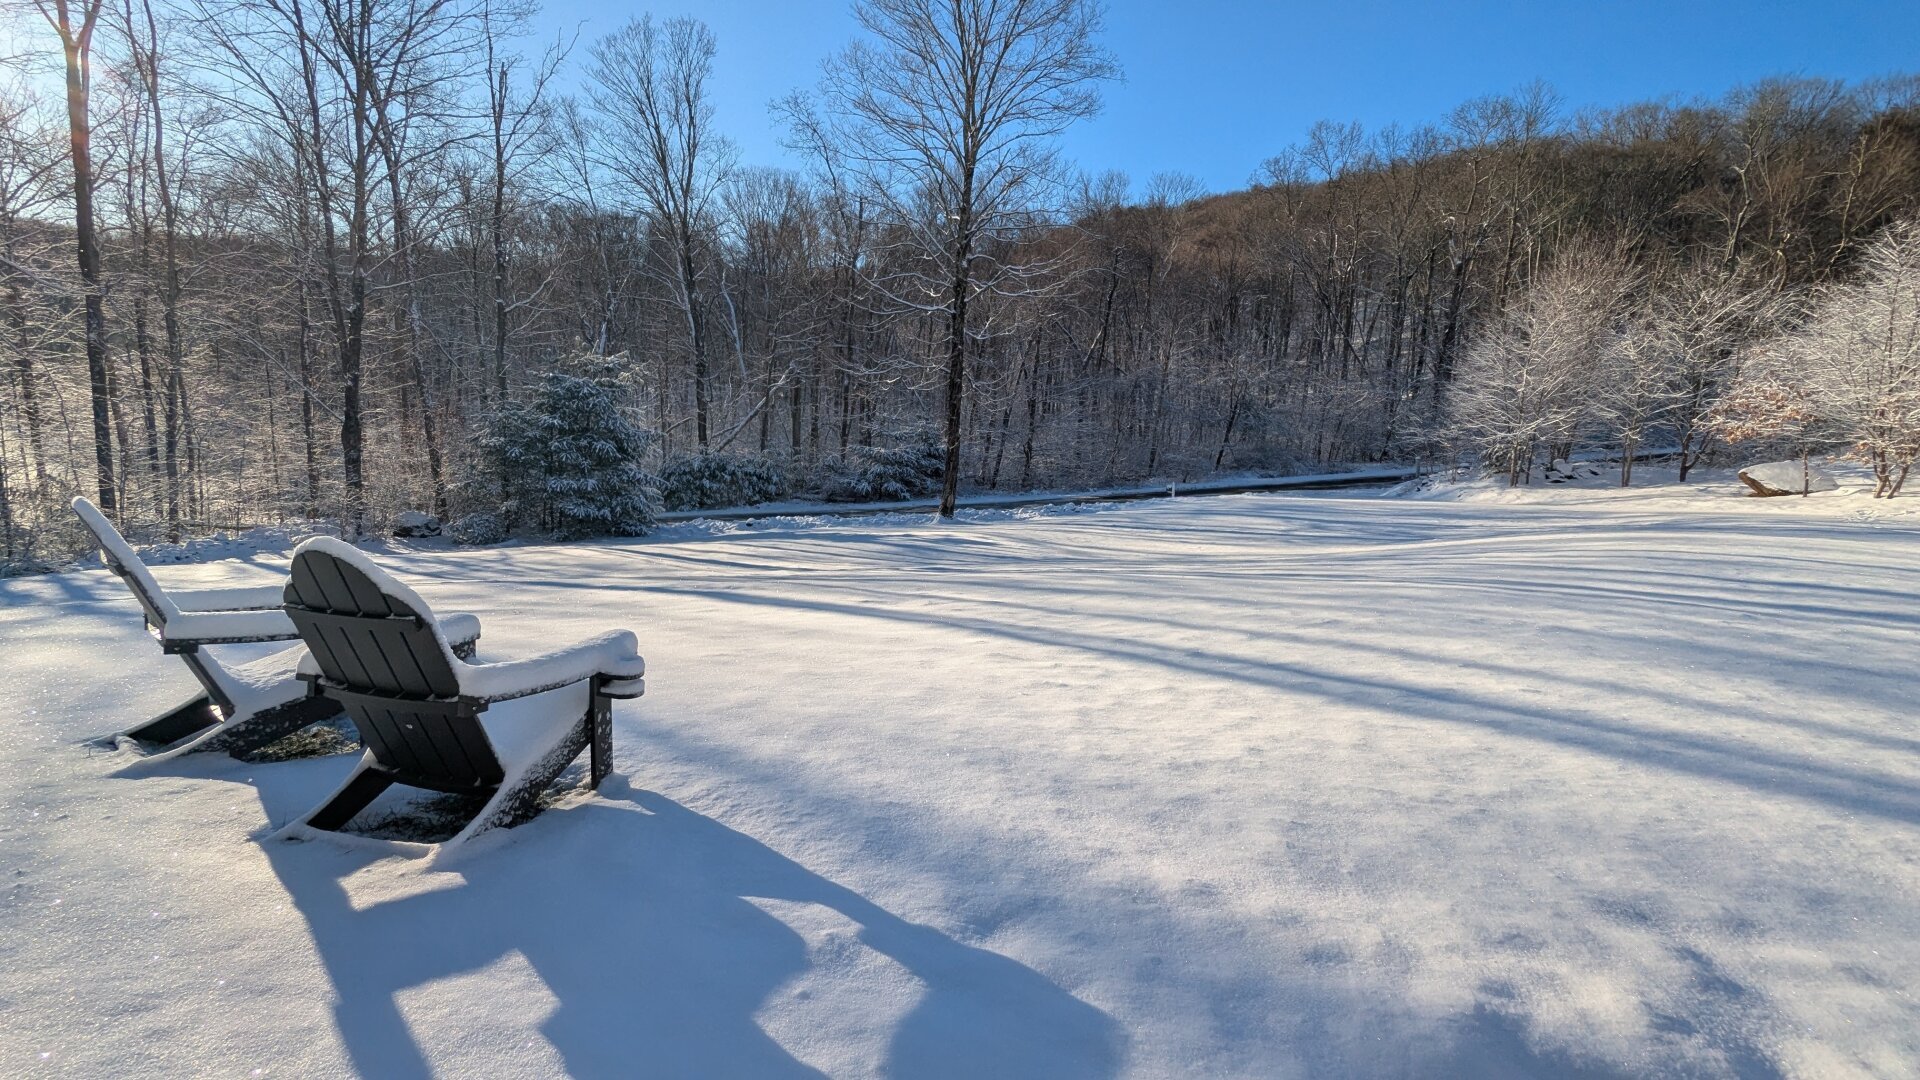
(641, 925)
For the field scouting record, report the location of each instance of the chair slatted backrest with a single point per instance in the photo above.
(125, 563)
(392, 673)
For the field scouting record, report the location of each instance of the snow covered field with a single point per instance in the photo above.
(1549, 783)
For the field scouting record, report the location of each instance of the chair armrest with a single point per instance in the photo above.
(623, 688)
(614, 655)
(252, 598)
(193, 628)
(461, 629)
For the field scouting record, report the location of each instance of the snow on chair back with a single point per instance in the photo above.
(384, 659)
(123, 562)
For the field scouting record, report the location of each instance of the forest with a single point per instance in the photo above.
(338, 262)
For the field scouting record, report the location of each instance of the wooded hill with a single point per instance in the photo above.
(313, 312)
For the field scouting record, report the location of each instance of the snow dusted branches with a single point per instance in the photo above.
(1851, 374)
(1600, 348)
(657, 121)
(1536, 375)
(940, 124)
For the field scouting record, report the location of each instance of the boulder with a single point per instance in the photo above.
(415, 523)
(1562, 471)
(1785, 478)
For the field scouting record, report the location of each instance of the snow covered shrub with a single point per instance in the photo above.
(714, 478)
(884, 473)
(484, 527)
(568, 461)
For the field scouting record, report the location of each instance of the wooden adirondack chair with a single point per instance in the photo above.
(431, 719)
(240, 707)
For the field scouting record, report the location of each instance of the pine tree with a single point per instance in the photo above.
(568, 462)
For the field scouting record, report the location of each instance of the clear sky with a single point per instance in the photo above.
(1214, 87)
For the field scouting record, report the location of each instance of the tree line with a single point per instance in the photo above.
(292, 260)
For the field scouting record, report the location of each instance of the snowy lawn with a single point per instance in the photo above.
(1562, 783)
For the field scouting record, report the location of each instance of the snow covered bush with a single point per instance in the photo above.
(714, 478)
(568, 461)
(42, 547)
(484, 527)
(909, 470)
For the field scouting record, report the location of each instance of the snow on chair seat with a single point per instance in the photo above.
(240, 707)
(430, 718)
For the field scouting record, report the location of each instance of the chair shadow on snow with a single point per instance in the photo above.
(639, 920)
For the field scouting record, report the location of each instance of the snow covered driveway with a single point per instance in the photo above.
(1249, 786)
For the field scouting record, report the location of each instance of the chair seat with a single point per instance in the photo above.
(526, 729)
(259, 685)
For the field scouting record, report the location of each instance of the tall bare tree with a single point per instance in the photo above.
(76, 25)
(658, 121)
(519, 131)
(945, 115)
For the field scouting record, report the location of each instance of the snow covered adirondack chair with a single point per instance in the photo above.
(240, 707)
(431, 719)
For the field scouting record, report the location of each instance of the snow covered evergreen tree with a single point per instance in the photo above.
(568, 461)
(713, 478)
(909, 466)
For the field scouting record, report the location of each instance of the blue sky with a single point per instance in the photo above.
(1213, 88)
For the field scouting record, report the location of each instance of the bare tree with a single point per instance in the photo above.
(76, 26)
(945, 118)
(658, 123)
(1856, 362)
(1701, 316)
(426, 56)
(1533, 378)
(30, 161)
(517, 129)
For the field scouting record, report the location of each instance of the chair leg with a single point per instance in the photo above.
(600, 761)
(364, 786)
(192, 717)
(266, 726)
(518, 800)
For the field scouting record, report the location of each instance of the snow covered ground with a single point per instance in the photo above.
(1557, 782)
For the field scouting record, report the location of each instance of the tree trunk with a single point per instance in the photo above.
(76, 44)
(312, 504)
(956, 379)
(408, 318)
(696, 332)
(498, 234)
(29, 395)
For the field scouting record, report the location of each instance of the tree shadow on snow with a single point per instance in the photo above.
(641, 926)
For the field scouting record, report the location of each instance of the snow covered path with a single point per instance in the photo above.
(1249, 786)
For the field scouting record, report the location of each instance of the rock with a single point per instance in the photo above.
(1785, 478)
(415, 523)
